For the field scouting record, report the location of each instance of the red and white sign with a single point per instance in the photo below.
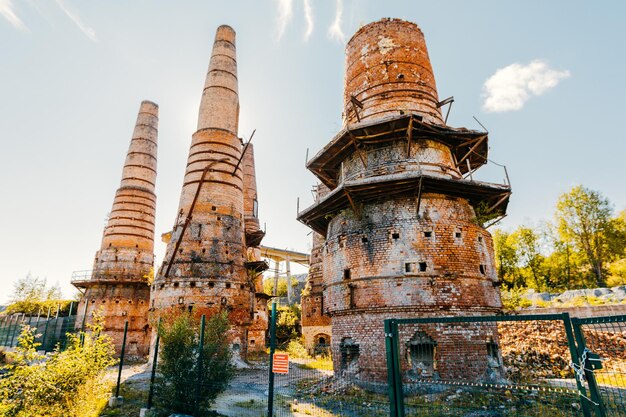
(280, 364)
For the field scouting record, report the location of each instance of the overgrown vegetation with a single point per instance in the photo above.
(268, 286)
(287, 324)
(191, 379)
(584, 247)
(67, 383)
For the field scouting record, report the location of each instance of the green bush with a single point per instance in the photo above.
(186, 386)
(296, 349)
(67, 383)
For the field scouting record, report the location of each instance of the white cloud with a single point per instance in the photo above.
(6, 10)
(285, 13)
(89, 32)
(334, 31)
(308, 16)
(510, 87)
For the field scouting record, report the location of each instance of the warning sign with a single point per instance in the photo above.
(281, 363)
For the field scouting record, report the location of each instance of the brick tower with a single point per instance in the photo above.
(403, 224)
(205, 265)
(118, 284)
(316, 328)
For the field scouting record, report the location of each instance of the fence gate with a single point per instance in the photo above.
(602, 362)
(490, 366)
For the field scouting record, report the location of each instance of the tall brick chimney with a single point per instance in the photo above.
(204, 266)
(403, 221)
(122, 267)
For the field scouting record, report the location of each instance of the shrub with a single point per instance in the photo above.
(179, 389)
(296, 349)
(67, 383)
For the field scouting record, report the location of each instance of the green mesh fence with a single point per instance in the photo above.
(602, 342)
(50, 331)
(484, 366)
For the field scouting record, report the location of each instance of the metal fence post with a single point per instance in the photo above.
(119, 372)
(3, 324)
(17, 326)
(270, 393)
(200, 356)
(589, 375)
(393, 412)
(8, 329)
(45, 332)
(567, 323)
(154, 366)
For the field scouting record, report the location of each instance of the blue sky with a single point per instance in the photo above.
(72, 75)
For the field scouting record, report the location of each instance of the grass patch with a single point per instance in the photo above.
(321, 363)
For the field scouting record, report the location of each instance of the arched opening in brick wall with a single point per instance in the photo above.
(422, 350)
(321, 344)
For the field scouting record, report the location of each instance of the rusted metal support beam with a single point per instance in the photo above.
(245, 148)
(409, 137)
(356, 103)
(419, 198)
(478, 142)
(189, 215)
(500, 201)
(469, 170)
(495, 221)
(356, 147)
(442, 103)
(354, 207)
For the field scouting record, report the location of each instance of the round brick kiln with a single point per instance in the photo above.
(403, 224)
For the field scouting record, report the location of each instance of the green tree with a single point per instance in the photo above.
(32, 294)
(180, 388)
(268, 286)
(527, 247)
(506, 259)
(584, 221)
(288, 323)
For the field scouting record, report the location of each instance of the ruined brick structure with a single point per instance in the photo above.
(210, 264)
(403, 219)
(118, 284)
(316, 329)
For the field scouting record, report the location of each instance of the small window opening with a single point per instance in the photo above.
(364, 239)
(252, 341)
(482, 269)
(421, 349)
(137, 246)
(161, 286)
(192, 284)
(211, 284)
(408, 267)
(241, 287)
(423, 266)
(349, 353)
(203, 250)
(480, 238)
(458, 232)
(180, 251)
(213, 208)
(190, 308)
(228, 285)
(428, 234)
(395, 235)
(346, 273)
(176, 284)
(219, 218)
(493, 354)
(322, 341)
